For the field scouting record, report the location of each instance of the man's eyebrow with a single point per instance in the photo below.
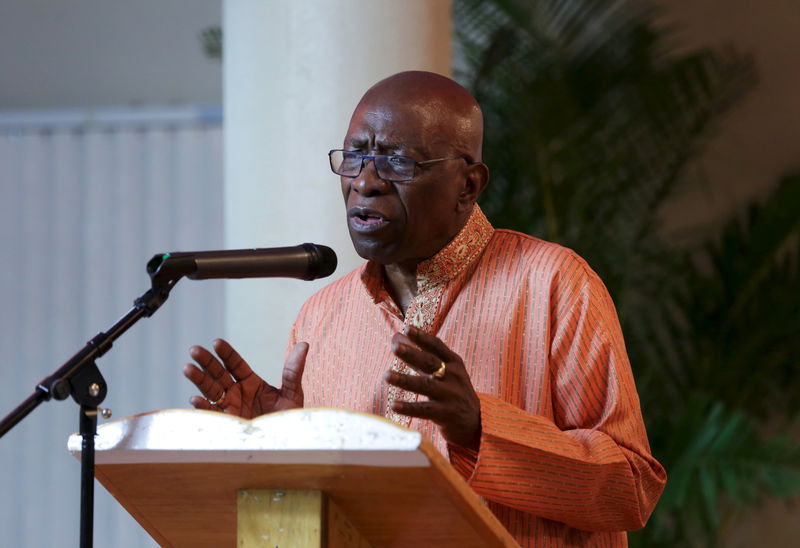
(390, 145)
(355, 142)
(382, 145)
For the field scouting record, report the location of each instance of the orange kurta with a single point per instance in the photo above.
(564, 458)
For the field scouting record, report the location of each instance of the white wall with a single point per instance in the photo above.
(66, 53)
(293, 75)
(82, 210)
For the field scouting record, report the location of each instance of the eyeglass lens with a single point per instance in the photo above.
(389, 167)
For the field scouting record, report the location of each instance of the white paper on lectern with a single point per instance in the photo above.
(299, 436)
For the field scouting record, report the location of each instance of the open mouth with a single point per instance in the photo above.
(365, 219)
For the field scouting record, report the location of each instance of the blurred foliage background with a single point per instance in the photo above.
(592, 124)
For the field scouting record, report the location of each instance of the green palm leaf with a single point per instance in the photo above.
(590, 123)
(719, 464)
(742, 309)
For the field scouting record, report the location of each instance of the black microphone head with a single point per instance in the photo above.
(322, 261)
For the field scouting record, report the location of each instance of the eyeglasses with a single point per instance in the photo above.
(390, 167)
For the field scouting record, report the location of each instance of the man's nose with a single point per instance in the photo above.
(368, 183)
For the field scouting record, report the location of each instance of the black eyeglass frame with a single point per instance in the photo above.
(376, 158)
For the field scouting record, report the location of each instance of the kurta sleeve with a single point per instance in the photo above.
(588, 464)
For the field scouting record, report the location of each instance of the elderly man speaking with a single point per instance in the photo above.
(505, 350)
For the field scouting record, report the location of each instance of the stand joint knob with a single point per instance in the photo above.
(102, 411)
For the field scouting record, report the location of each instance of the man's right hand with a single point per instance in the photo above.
(231, 382)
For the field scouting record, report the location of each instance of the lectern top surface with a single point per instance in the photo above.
(318, 436)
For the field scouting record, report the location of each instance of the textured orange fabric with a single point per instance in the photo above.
(564, 458)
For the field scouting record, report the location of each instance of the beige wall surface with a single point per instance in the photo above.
(759, 140)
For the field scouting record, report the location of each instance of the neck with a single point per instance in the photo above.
(402, 277)
(402, 284)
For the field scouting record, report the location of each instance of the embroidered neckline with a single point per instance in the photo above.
(432, 277)
(458, 254)
(448, 263)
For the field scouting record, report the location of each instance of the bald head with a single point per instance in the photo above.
(445, 110)
(435, 124)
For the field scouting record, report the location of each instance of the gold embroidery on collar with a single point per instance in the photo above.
(432, 276)
(458, 254)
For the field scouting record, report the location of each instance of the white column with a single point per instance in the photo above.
(293, 71)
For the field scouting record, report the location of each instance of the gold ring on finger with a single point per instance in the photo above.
(219, 400)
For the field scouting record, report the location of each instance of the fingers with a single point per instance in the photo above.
(211, 365)
(291, 380)
(432, 344)
(215, 377)
(194, 374)
(452, 402)
(421, 360)
(419, 384)
(421, 409)
(201, 403)
(209, 386)
(234, 363)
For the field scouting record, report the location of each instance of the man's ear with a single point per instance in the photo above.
(477, 177)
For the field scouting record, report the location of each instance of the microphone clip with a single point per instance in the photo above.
(163, 271)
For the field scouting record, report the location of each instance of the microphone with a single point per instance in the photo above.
(306, 262)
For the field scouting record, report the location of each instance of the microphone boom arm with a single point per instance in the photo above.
(80, 377)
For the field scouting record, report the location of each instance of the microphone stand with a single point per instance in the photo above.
(80, 378)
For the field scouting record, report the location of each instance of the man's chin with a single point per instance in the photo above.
(377, 252)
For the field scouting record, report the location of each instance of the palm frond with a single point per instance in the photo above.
(741, 305)
(591, 123)
(717, 462)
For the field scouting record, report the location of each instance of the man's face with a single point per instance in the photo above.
(401, 223)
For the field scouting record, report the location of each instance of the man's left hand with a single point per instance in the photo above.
(452, 401)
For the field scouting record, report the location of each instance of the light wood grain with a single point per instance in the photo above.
(195, 504)
(279, 518)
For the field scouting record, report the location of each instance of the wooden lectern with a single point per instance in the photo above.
(307, 477)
